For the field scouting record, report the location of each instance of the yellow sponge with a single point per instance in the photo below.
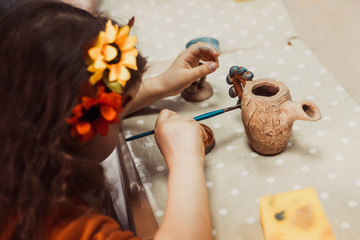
(295, 215)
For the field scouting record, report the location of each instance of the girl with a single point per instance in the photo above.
(67, 80)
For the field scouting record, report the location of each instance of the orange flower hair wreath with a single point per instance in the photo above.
(108, 59)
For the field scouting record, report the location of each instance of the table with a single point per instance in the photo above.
(322, 154)
(329, 28)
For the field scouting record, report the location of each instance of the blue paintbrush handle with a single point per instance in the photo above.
(140, 135)
(197, 118)
(208, 115)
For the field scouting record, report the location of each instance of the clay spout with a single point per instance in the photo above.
(302, 110)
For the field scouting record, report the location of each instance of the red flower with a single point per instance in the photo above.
(93, 115)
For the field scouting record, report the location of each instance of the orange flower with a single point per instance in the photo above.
(93, 115)
(114, 50)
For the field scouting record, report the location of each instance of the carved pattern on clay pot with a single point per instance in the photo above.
(268, 114)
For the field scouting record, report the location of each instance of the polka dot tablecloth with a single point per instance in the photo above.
(323, 154)
(165, 26)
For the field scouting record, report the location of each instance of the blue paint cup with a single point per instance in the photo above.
(211, 41)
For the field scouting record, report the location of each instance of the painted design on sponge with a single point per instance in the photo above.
(280, 216)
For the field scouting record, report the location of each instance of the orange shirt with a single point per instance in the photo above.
(67, 224)
(79, 223)
(90, 226)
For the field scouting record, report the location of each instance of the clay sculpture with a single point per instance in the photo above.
(267, 110)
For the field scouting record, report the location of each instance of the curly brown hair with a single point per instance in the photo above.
(41, 70)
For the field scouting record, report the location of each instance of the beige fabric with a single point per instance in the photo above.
(164, 27)
(323, 154)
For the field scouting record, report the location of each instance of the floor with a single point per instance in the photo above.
(330, 28)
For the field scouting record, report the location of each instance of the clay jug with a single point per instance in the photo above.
(268, 114)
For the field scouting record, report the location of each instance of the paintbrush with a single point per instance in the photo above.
(197, 118)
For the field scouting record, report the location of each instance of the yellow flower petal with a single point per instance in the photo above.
(96, 77)
(91, 68)
(110, 32)
(123, 33)
(129, 60)
(99, 64)
(101, 40)
(128, 44)
(124, 75)
(119, 72)
(114, 72)
(132, 52)
(95, 53)
(110, 53)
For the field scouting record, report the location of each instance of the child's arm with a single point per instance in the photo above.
(187, 214)
(184, 71)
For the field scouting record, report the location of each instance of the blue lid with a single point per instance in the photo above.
(211, 41)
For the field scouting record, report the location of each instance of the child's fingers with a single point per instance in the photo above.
(165, 114)
(203, 70)
(201, 48)
(204, 51)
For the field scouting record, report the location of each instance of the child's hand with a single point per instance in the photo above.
(180, 140)
(180, 75)
(186, 69)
